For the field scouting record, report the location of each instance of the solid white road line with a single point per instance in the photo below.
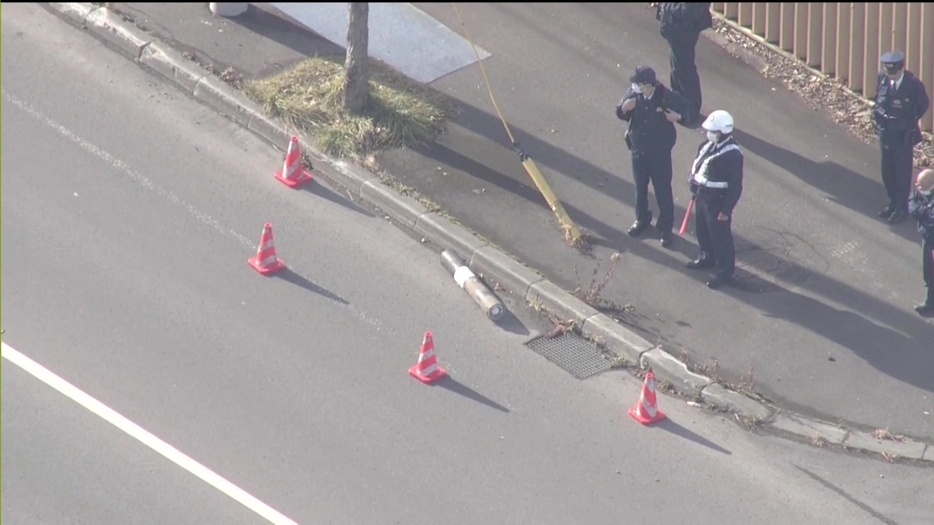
(143, 436)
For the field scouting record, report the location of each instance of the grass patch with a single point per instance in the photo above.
(309, 96)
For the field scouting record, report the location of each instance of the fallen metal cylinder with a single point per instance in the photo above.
(483, 296)
(228, 9)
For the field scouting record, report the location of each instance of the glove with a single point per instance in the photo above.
(694, 188)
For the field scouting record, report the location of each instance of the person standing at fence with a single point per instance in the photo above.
(717, 184)
(901, 101)
(651, 109)
(921, 208)
(681, 25)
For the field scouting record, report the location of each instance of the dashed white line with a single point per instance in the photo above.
(143, 436)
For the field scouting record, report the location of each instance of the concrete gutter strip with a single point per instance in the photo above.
(485, 260)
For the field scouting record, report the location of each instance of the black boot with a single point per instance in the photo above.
(897, 216)
(702, 261)
(637, 228)
(927, 307)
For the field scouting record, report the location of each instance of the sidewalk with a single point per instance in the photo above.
(821, 322)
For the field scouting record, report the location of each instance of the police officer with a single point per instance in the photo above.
(716, 185)
(681, 25)
(900, 102)
(921, 208)
(651, 109)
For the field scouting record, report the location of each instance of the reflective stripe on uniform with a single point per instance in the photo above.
(700, 172)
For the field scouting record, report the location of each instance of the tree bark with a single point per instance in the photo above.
(357, 63)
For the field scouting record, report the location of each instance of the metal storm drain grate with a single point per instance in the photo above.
(572, 353)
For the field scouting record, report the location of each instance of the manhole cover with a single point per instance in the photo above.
(572, 353)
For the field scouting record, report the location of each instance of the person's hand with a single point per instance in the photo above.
(672, 116)
(628, 105)
(722, 217)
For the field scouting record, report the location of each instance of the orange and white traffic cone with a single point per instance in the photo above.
(646, 411)
(265, 260)
(293, 173)
(427, 370)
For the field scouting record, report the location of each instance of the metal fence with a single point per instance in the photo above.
(845, 40)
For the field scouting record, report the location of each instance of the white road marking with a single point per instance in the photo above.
(143, 436)
(156, 188)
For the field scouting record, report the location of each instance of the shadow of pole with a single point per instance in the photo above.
(512, 324)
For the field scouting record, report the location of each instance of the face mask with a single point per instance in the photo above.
(713, 136)
(636, 89)
(926, 193)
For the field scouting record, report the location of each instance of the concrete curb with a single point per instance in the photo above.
(485, 260)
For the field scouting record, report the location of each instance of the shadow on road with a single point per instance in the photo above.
(512, 324)
(296, 279)
(320, 190)
(279, 28)
(449, 383)
(843, 185)
(678, 430)
(892, 339)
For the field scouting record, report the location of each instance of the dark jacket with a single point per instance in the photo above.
(921, 208)
(725, 168)
(896, 113)
(683, 18)
(649, 131)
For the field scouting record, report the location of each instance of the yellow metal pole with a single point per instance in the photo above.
(572, 233)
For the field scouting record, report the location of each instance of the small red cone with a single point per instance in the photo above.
(293, 173)
(646, 411)
(265, 260)
(427, 370)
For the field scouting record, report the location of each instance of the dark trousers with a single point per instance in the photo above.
(655, 167)
(715, 237)
(684, 78)
(927, 267)
(896, 172)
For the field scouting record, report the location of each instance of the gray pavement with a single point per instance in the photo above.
(62, 464)
(131, 232)
(821, 319)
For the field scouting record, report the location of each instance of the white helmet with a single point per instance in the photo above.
(719, 121)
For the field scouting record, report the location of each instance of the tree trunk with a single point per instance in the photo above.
(357, 64)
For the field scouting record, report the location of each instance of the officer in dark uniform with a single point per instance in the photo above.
(900, 102)
(681, 25)
(651, 110)
(921, 208)
(716, 184)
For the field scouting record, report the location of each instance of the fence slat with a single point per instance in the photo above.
(845, 39)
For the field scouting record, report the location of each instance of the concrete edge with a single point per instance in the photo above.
(109, 26)
(172, 65)
(74, 11)
(484, 259)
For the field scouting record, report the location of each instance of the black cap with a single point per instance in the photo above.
(893, 59)
(643, 75)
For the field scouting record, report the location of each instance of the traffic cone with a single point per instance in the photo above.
(265, 261)
(293, 173)
(427, 370)
(646, 410)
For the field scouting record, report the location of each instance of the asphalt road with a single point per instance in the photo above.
(822, 322)
(822, 319)
(128, 214)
